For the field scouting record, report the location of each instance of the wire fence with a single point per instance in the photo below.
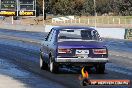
(98, 21)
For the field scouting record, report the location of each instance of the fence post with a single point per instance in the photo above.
(71, 21)
(96, 20)
(119, 21)
(113, 20)
(102, 20)
(108, 20)
(88, 21)
(79, 20)
(75, 21)
(52, 20)
(125, 21)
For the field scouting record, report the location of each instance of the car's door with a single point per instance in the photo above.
(46, 46)
(53, 44)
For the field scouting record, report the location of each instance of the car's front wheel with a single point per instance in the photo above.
(53, 67)
(100, 68)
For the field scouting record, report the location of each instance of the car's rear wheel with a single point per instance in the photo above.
(43, 65)
(53, 66)
(100, 68)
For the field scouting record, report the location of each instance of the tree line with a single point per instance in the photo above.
(86, 7)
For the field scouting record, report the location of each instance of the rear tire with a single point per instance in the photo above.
(100, 68)
(53, 66)
(43, 65)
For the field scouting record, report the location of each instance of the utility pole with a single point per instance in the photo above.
(95, 14)
(18, 7)
(35, 7)
(43, 12)
(0, 4)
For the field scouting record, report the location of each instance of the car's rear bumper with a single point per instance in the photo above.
(82, 60)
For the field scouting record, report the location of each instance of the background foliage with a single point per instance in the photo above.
(86, 7)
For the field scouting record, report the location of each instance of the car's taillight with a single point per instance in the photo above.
(63, 51)
(99, 51)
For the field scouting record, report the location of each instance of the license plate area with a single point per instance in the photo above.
(82, 53)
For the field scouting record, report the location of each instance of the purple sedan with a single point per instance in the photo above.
(73, 46)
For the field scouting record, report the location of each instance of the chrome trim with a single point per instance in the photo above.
(81, 59)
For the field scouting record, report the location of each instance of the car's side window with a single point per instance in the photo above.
(54, 36)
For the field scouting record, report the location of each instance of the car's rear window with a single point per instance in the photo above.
(78, 35)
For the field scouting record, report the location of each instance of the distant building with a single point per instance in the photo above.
(27, 4)
(26, 1)
(8, 4)
(18, 5)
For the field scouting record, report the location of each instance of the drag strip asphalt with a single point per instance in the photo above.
(26, 54)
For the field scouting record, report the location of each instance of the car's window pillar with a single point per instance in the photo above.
(95, 35)
(50, 35)
(99, 38)
(47, 37)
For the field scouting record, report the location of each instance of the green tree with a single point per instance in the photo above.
(85, 7)
(102, 6)
(88, 8)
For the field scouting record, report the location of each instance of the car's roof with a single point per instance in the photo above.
(72, 27)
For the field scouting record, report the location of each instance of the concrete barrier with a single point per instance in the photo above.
(33, 28)
(54, 20)
(117, 33)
